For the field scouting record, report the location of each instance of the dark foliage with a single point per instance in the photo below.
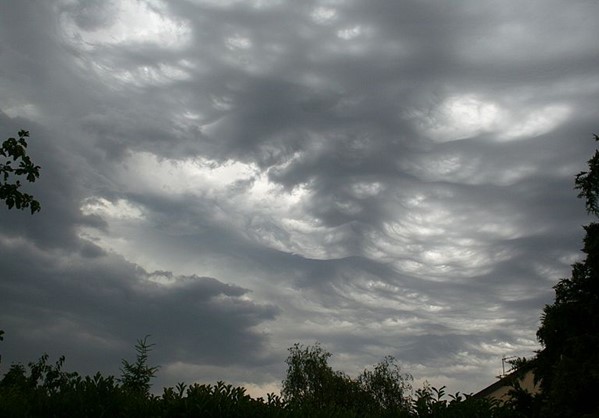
(387, 388)
(15, 150)
(42, 389)
(568, 364)
(432, 403)
(588, 183)
(313, 388)
(136, 377)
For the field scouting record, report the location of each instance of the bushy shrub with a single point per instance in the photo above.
(311, 389)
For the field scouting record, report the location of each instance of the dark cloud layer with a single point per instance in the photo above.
(236, 176)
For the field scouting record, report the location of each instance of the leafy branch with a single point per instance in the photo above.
(15, 152)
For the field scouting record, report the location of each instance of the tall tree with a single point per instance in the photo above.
(312, 383)
(389, 388)
(568, 364)
(136, 377)
(14, 151)
(310, 380)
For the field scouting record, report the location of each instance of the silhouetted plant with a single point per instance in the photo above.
(568, 364)
(16, 150)
(430, 402)
(43, 389)
(136, 377)
(387, 386)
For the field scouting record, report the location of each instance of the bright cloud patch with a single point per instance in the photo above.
(193, 176)
(242, 197)
(350, 33)
(461, 117)
(140, 76)
(119, 209)
(238, 42)
(439, 240)
(535, 122)
(465, 169)
(27, 110)
(324, 15)
(258, 4)
(126, 21)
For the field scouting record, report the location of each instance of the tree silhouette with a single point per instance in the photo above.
(388, 387)
(311, 384)
(309, 379)
(136, 376)
(568, 364)
(15, 150)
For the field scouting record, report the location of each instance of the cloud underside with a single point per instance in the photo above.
(232, 177)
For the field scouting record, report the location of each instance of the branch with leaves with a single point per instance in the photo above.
(15, 152)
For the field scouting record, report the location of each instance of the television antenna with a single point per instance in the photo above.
(505, 360)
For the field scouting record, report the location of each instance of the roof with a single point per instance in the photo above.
(523, 373)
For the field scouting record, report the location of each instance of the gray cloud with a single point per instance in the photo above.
(385, 177)
(87, 304)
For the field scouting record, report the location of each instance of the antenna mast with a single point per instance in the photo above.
(504, 360)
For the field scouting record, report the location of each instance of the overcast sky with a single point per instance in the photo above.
(386, 177)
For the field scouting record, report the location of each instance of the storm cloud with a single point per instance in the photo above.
(232, 177)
